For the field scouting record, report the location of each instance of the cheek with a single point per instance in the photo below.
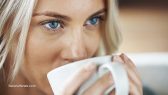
(93, 42)
(41, 51)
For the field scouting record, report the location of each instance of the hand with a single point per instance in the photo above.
(135, 83)
(84, 74)
(106, 81)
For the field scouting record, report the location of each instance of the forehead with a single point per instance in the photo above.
(70, 7)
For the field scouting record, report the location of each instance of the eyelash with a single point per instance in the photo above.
(58, 21)
(62, 24)
(100, 19)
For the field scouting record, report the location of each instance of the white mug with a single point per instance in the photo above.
(60, 76)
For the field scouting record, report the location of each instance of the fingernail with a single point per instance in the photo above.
(117, 58)
(121, 55)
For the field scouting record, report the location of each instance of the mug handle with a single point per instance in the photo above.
(120, 78)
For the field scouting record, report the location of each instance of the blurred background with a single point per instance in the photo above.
(144, 26)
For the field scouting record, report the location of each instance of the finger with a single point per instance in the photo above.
(100, 86)
(133, 90)
(125, 64)
(132, 73)
(79, 77)
(133, 80)
(131, 70)
(127, 60)
(117, 58)
(130, 65)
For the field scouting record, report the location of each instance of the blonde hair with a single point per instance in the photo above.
(112, 36)
(15, 18)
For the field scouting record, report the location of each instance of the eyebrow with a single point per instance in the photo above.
(98, 12)
(61, 16)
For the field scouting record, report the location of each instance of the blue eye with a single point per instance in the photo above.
(93, 21)
(52, 25)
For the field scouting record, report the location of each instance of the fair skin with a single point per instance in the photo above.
(64, 31)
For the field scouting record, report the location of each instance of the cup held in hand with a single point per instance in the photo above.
(59, 76)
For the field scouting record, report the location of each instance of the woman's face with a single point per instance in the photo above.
(61, 31)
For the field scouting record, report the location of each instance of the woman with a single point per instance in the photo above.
(40, 35)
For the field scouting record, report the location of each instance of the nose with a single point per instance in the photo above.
(75, 48)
